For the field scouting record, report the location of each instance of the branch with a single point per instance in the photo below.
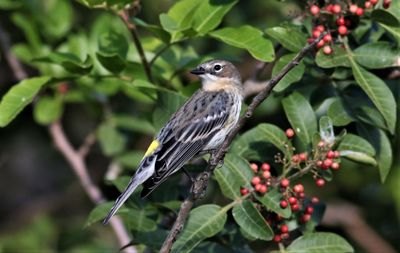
(77, 163)
(200, 185)
(348, 217)
(13, 62)
(132, 27)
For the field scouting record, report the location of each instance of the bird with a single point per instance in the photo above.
(198, 127)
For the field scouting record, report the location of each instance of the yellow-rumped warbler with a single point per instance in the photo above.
(200, 125)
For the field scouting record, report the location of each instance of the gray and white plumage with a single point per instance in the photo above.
(201, 124)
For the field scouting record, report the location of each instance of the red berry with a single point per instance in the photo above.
(314, 200)
(321, 144)
(284, 204)
(353, 8)
(285, 182)
(254, 167)
(386, 3)
(292, 200)
(310, 40)
(256, 180)
(314, 10)
(367, 5)
(258, 187)
(244, 191)
(295, 208)
(320, 163)
(298, 188)
(327, 50)
(284, 236)
(284, 228)
(303, 157)
(320, 28)
(277, 238)
(336, 154)
(335, 166)
(309, 210)
(336, 9)
(320, 182)
(295, 158)
(359, 11)
(327, 38)
(373, 2)
(340, 21)
(320, 43)
(329, 8)
(263, 189)
(63, 88)
(327, 163)
(305, 218)
(342, 30)
(316, 33)
(266, 174)
(301, 195)
(330, 154)
(265, 166)
(289, 133)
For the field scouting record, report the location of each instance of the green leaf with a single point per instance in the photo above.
(338, 58)
(113, 49)
(356, 143)
(293, 76)
(378, 92)
(384, 17)
(320, 242)
(377, 55)
(137, 220)
(69, 62)
(395, 31)
(204, 222)
(19, 96)
(251, 221)
(381, 143)
(47, 110)
(136, 124)
(271, 200)
(100, 212)
(130, 159)
(301, 116)
(234, 174)
(339, 113)
(249, 38)
(111, 141)
(288, 37)
(358, 157)
(210, 14)
(156, 30)
(264, 132)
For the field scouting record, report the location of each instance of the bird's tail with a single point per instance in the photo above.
(145, 170)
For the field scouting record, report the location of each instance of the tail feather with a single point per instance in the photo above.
(144, 172)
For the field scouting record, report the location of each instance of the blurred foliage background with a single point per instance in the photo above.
(43, 206)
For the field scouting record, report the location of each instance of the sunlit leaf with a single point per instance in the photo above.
(47, 110)
(290, 38)
(19, 96)
(320, 242)
(377, 55)
(293, 76)
(249, 38)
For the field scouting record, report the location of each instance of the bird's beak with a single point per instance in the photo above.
(198, 71)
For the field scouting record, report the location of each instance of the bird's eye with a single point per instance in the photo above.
(217, 67)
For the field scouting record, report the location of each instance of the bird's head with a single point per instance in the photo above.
(216, 74)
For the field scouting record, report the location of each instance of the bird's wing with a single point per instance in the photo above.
(188, 138)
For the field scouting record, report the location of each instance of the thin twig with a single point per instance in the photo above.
(159, 53)
(87, 144)
(78, 165)
(200, 185)
(132, 27)
(13, 62)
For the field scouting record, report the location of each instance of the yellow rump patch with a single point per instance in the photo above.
(153, 146)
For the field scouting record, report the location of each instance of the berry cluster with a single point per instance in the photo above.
(317, 162)
(342, 13)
